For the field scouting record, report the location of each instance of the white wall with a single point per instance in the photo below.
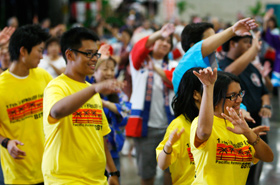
(224, 9)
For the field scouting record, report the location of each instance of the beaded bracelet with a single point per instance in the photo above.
(256, 141)
(167, 152)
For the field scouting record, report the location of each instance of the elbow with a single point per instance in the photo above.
(162, 166)
(269, 158)
(202, 134)
(55, 114)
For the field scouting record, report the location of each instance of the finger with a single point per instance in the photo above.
(262, 133)
(20, 152)
(18, 143)
(230, 129)
(227, 117)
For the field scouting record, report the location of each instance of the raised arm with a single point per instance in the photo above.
(240, 28)
(71, 103)
(5, 35)
(142, 48)
(263, 151)
(206, 112)
(241, 63)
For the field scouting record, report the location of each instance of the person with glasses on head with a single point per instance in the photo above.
(221, 141)
(74, 121)
(241, 51)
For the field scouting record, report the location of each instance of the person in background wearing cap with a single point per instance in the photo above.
(240, 54)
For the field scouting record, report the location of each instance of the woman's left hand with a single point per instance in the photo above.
(239, 123)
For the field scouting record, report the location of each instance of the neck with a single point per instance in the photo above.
(19, 69)
(232, 55)
(54, 57)
(74, 75)
(157, 56)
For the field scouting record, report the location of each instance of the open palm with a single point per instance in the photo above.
(5, 35)
(242, 27)
(167, 30)
(207, 76)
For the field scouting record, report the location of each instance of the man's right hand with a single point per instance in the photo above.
(14, 151)
(109, 86)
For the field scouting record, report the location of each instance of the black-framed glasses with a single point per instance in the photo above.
(88, 54)
(234, 96)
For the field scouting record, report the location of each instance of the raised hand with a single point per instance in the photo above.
(239, 123)
(14, 151)
(268, 14)
(266, 69)
(256, 41)
(5, 35)
(242, 27)
(206, 76)
(175, 136)
(109, 86)
(105, 51)
(167, 30)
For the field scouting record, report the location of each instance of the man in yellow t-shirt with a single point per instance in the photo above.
(21, 116)
(181, 159)
(74, 121)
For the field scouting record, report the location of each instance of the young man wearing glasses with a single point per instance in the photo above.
(241, 51)
(74, 121)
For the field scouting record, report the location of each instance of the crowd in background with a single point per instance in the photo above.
(143, 55)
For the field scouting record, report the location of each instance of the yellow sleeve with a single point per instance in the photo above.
(176, 148)
(53, 93)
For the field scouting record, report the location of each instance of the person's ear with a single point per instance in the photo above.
(70, 56)
(232, 44)
(23, 51)
(196, 95)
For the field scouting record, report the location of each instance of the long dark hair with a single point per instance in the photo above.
(183, 102)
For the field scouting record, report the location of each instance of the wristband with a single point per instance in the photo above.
(167, 152)
(5, 142)
(256, 141)
(116, 173)
(267, 106)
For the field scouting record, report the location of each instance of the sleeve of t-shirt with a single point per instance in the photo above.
(193, 135)
(139, 53)
(176, 148)
(53, 93)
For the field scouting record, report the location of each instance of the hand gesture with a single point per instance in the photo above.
(266, 69)
(247, 116)
(113, 180)
(105, 51)
(167, 30)
(268, 14)
(109, 86)
(260, 130)
(265, 112)
(239, 123)
(242, 27)
(207, 76)
(175, 136)
(5, 35)
(14, 151)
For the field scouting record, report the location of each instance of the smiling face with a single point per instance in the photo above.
(162, 47)
(32, 59)
(82, 65)
(105, 71)
(233, 89)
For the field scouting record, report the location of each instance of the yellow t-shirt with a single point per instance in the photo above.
(74, 148)
(225, 158)
(182, 162)
(21, 118)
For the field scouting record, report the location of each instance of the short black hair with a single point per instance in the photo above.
(73, 38)
(183, 102)
(225, 46)
(193, 33)
(26, 36)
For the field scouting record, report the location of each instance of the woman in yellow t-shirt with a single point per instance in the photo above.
(222, 143)
(174, 150)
